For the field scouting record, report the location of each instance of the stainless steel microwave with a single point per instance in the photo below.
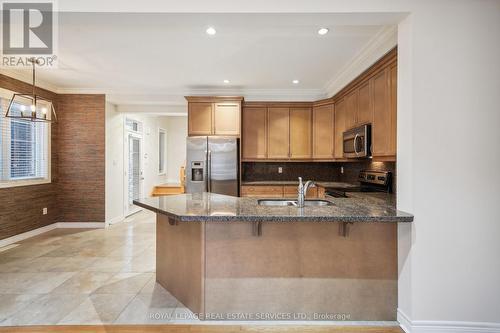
(357, 142)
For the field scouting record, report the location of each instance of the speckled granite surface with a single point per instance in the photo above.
(216, 207)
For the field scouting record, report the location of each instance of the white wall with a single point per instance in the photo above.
(448, 162)
(114, 164)
(176, 147)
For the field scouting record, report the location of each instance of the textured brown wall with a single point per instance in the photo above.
(76, 193)
(81, 146)
(21, 207)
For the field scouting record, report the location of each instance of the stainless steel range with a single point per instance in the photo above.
(369, 181)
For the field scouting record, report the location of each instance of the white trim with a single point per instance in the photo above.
(114, 220)
(25, 182)
(58, 225)
(81, 225)
(379, 45)
(27, 234)
(26, 76)
(443, 326)
(404, 321)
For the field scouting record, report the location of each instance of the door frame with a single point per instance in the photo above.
(138, 135)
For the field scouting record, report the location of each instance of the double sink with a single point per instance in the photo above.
(288, 202)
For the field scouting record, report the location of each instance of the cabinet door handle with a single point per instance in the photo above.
(209, 168)
(355, 142)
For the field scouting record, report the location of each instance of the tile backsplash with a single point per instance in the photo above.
(261, 171)
(320, 171)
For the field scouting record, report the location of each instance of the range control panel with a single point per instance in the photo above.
(374, 177)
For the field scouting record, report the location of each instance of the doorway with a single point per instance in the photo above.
(134, 176)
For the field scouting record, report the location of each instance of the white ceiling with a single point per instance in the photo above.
(156, 59)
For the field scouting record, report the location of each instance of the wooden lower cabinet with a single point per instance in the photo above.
(292, 192)
(279, 191)
(262, 191)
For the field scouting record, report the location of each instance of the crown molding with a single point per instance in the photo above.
(379, 45)
(85, 91)
(25, 75)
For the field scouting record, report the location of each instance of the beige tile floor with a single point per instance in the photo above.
(83, 276)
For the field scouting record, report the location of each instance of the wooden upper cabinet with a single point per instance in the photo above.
(365, 109)
(214, 115)
(351, 104)
(254, 133)
(200, 118)
(340, 127)
(278, 124)
(323, 132)
(300, 133)
(394, 107)
(227, 118)
(382, 118)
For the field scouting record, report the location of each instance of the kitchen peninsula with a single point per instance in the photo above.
(225, 257)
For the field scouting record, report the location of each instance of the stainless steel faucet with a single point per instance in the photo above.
(303, 191)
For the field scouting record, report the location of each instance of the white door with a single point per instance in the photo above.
(134, 176)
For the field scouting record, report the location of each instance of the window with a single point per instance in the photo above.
(162, 145)
(24, 147)
(133, 125)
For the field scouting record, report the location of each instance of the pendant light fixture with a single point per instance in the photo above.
(31, 107)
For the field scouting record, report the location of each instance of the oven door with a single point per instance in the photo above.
(357, 142)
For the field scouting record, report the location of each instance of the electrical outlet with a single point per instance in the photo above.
(280, 170)
(44, 211)
(342, 169)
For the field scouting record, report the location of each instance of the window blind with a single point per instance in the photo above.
(24, 145)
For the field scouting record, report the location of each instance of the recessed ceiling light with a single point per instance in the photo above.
(226, 81)
(295, 81)
(323, 31)
(211, 31)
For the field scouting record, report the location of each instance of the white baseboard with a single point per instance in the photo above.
(115, 220)
(81, 225)
(27, 234)
(429, 326)
(57, 225)
(404, 321)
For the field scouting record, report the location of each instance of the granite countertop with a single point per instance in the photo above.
(216, 207)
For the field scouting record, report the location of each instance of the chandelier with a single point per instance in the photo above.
(31, 107)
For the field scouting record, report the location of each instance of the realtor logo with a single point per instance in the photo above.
(28, 29)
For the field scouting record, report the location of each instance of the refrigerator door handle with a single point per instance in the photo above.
(209, 171)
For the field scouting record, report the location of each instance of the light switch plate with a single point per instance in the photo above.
(280, 170)
(44, 211)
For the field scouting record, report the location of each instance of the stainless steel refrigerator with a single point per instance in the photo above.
(212, 165)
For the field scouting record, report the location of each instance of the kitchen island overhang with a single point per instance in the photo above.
(221, 266)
